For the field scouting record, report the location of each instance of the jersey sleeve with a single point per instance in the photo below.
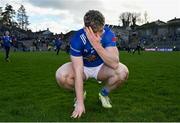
(76, 46)
(109, 39)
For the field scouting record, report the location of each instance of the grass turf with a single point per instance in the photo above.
(28, 91)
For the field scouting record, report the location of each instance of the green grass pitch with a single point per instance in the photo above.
(28, 90)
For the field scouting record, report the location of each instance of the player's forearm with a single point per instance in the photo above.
(79, 87)
(78, 72)
(112, 60)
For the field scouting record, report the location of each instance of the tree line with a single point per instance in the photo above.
(9, 17)
(131, 18)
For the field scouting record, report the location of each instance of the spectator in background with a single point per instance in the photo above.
(138, 48)
(128, 49)
(14, 43)
(35, 45)
(58, 43)
(67, 48)
(23, 47)
(6, 41)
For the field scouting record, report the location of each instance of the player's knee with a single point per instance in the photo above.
(60, 78)
(124, 73)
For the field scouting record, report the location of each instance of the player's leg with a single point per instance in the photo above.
(57, 51)
(65, 76)
(6, 53)
(113, 79)
(134, 50)
(8, 50)
(139, 51)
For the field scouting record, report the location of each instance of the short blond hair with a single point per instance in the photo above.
(94, 19)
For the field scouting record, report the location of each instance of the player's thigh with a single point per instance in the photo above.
(106, 72)
(66, 71)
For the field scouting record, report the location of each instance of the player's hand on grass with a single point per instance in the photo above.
(93, 37)
(78, 111)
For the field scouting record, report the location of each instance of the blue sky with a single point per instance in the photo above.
(65, 15)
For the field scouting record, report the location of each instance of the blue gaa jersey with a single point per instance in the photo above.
(6, 41)
(80, 46)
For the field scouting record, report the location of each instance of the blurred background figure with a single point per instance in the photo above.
(138, 48)
(6, 41)
(14, 43)
(58, 43)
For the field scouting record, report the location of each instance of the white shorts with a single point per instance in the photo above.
(92, 72)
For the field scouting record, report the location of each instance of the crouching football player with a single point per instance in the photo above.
(93, 55)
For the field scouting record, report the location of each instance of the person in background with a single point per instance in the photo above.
(58, 43)
(14, 43)
(6, 41)
(138, 48)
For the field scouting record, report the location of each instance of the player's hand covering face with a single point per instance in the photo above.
(94, 38)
